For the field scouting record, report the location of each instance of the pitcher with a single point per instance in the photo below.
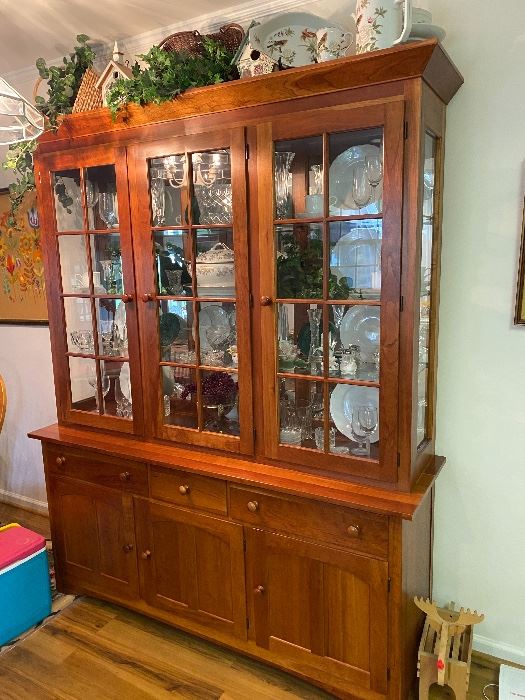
(381, 24)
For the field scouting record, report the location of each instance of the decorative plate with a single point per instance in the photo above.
(211, 316)
(289, 38)
(341, 177)
(169, 328)
(342, 401)
(422, 30)
(361, 326)
(356, 257)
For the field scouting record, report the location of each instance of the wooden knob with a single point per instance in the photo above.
(124, 476)
(60, 461)
(184, 490)
(127, 548)
(146, 554)
(147, 297)
(266, 301)
(259, 590)
(353, 530)
(127, 298)
(253, 506)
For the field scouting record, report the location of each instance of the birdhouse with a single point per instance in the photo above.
(250, 61)
(114, 70)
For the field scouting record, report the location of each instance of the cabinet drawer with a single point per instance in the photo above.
(190, 490)
(336, 525)
(98, 469)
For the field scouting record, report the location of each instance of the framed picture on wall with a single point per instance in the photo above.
(22, 286)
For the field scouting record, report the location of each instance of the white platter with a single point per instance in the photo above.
(359, 249)
(342, 401)
(287, 37)
(341, 177)
(361, 326)
(125, 383)
(422, 30)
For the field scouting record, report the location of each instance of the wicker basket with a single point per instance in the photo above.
(230, 36)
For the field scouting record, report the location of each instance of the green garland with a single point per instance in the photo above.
(63, 84)
(168, 73)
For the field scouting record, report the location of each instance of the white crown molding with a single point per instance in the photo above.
(209, 22)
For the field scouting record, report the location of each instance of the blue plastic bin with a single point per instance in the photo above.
(25, 591)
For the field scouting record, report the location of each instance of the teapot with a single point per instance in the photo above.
(381, 24)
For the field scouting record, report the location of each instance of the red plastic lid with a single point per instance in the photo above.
(17, 543)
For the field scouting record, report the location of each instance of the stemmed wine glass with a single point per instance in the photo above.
(367, 422)
(374, 171)
(92, 194)
(104, 381)
(107, 208)
(352, 417)
(361, 189)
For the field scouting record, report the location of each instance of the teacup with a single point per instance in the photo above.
(331, 43)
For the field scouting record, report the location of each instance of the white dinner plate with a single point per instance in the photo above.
(361, 326)
(342, 401)
(341, 178)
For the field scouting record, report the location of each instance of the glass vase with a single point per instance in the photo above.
(283, 184)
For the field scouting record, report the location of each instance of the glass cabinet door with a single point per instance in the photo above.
(191, 210)
(90, 220)
(330, 326)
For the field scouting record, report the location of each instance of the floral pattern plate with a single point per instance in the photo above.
(289, 37)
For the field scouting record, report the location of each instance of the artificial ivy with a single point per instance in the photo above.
(167, 74)
(63, 84)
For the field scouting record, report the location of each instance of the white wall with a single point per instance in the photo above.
(480, 516)
(25, 364)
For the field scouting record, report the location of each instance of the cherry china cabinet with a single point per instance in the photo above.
(243, 291)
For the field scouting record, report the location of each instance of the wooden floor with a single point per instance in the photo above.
(96, 651)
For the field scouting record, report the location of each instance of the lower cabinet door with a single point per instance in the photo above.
(192, 565)
(322, 609)
(94, 538)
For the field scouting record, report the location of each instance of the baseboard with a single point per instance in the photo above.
(16, 499)
(500, 650)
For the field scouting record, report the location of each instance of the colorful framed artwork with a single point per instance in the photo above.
(22, 286)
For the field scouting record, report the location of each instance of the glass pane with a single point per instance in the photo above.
(301, 413)
(168, 190)
(179, 396)
(176, 331)
(354, 416)
(299, 261)
(218, 334)
(79, 328)
(298, 177)
(212, 187)
(112, 327)
(68, 207)
(215, 263)
(355, 259)
(101, 197)
(173, 252)
(107, 263)
(354, 342)
(356, 172)
(427, 231)
(74, 264)
(83, 378)
(219, 402)
(297, 324)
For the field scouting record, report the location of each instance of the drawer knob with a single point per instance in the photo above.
(253, 506)
(266, 301)
(184, 490)
(127, 548)
(353, 530)
(127, 298)
(60, 461)
(146, 554)
(259, 590)
(124, 476)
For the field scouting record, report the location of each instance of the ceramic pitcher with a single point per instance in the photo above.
(382, 23)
